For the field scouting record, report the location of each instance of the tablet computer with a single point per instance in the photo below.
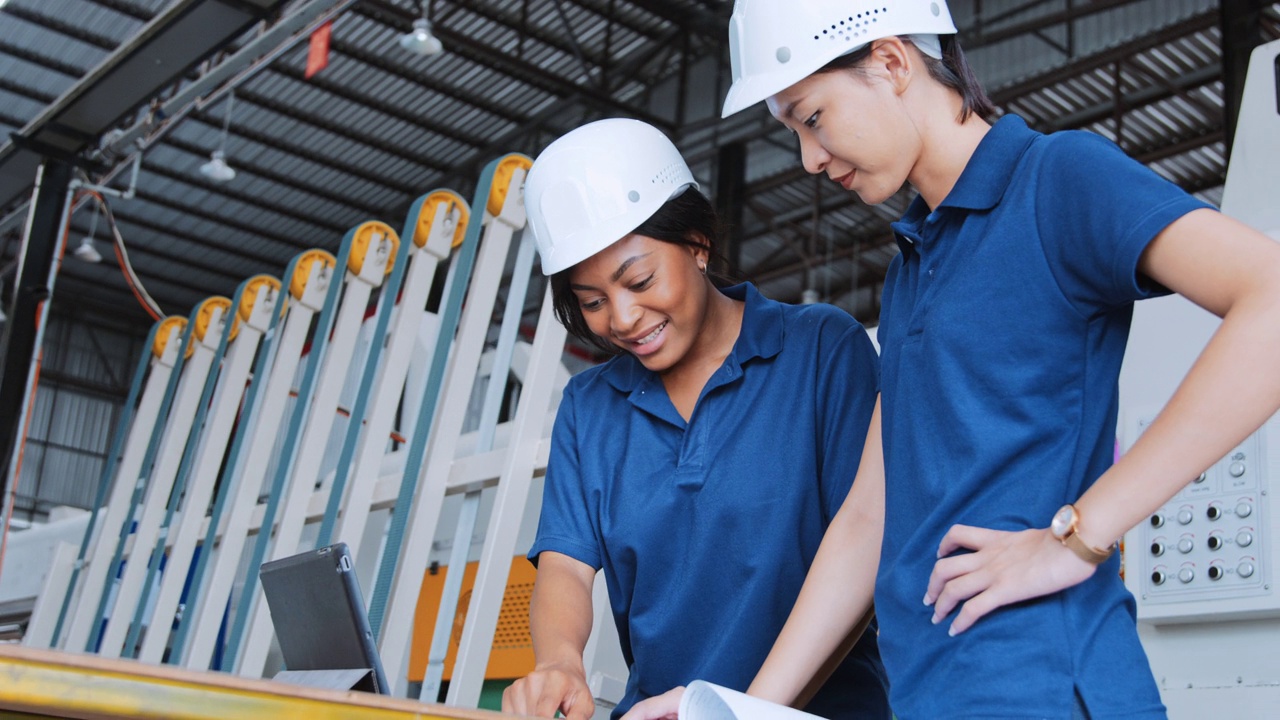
(319, 617)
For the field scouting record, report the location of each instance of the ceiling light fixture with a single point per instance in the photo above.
(217, 168)
(420, 40)
(86, 252)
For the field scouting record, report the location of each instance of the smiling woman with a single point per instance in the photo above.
(670, 469)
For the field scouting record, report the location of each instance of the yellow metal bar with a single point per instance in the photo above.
(64, 685)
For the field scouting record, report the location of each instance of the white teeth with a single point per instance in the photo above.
(651, 336)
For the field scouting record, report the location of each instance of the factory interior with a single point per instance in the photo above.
(267, 289)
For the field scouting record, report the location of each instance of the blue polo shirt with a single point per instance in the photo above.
(705, 529)
(1003, 325)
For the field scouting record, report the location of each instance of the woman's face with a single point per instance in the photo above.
(853, 126)
(645, 296)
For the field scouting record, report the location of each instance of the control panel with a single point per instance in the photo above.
(1209, 549)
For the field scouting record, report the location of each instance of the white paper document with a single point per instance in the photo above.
(705, 701)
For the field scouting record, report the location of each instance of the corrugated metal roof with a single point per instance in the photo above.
(380, 126)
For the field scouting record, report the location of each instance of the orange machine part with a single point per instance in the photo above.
(512, 655)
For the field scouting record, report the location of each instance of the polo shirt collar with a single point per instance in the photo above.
(985, 178)
(760, 337)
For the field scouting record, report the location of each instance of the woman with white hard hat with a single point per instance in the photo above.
(699, 467)
(1002, 330)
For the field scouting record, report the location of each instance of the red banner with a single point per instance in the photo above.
(318, 53)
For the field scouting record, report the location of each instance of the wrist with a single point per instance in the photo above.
(570, 665)
(1066, 528)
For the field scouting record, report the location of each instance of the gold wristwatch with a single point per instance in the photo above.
(1064, 527)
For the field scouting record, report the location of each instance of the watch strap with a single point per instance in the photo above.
(1077, 545)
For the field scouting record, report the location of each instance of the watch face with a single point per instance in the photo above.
(1062, 521)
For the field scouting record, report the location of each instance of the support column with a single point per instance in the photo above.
(731, 201)
(1241, 24)
(18, 346)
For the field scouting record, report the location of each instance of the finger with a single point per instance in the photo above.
(947, 569)
(518, 695)
(966, 536)
(658, 707)
(975, 609)
(959, 590)
(549, 700)
(655, 708)
(508, 700)
(582, 707)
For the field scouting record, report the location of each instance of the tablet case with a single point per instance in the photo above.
(320, 621)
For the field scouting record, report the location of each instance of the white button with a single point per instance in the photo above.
(1185, 516)
(1244, 538)
(1186, 545)
(1236, 469)
(1186, 575)
(1244, 509)
(1244, 569)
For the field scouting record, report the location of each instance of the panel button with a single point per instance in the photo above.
(1186, 574)
(1186, 544)
(1214, 512)
(1244, 569)
(1185, 516)
(1244, 538)
(1157, 548)
(1157, 577)
(1157, 520)
(1244, 509)
(1214, 542)
(1236, 469)
(1215, 572)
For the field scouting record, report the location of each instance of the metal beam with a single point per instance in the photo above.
(980, 37)
(181, 35)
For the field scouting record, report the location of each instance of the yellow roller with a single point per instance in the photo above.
(502, 180)
(204, 316)
(363, 242)
(298, 283)
(250, 295)
(423, 229)
(162, 335)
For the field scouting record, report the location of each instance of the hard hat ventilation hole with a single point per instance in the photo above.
(667, 174)
(933, 7)
(853, 26)
(633, 196)
(784, 55)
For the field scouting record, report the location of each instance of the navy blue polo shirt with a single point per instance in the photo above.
(705, 529)
(1003, 325)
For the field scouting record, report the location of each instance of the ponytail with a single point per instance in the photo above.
(954, 71)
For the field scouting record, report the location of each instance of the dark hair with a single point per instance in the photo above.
(686, 219)
(953, 71)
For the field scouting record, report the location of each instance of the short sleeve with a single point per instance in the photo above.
(848, 384)
(566, 523)
(1097, 210)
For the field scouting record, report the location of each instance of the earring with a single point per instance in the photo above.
(702, 265)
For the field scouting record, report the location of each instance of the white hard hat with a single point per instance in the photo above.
(596, 184)
(773, 45)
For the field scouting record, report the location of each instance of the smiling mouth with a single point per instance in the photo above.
(651, 336)
(846, 180)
